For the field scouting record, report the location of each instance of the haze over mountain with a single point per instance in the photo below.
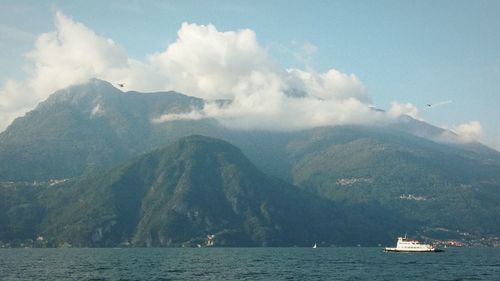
(402, 171)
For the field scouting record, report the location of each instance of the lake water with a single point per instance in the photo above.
(247, 264)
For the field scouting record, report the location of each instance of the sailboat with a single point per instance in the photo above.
(315, 246)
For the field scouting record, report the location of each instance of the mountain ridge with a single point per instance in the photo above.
(391, 167)
(92, 126)
(176, 195)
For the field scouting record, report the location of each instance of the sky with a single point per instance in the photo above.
(347, 55)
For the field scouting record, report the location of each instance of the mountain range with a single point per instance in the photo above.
(91, 167)
(179, 194)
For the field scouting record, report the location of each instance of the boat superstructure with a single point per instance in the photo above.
(405, 244)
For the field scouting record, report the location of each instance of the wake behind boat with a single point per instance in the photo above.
(408, 245)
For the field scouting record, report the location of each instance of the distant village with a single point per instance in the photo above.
(469, 241)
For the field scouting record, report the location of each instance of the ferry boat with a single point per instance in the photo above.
(408, 245)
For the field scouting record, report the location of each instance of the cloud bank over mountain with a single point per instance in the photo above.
(202, 62)
(397, 109)
(469, 132)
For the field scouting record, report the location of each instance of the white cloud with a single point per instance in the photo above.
(397, 109)
(210, 64)
(12, 106)
(330, 85)
(192, 115)
(71, 54)
(202, 62)
(469, 132)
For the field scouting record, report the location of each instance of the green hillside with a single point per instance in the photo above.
(83, 129)
(198, 186)
(437, 185)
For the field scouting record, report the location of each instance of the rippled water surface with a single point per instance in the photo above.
(247, 264)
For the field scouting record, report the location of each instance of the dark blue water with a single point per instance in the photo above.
(247, 264)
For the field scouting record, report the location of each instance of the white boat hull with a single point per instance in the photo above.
(413, 250)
